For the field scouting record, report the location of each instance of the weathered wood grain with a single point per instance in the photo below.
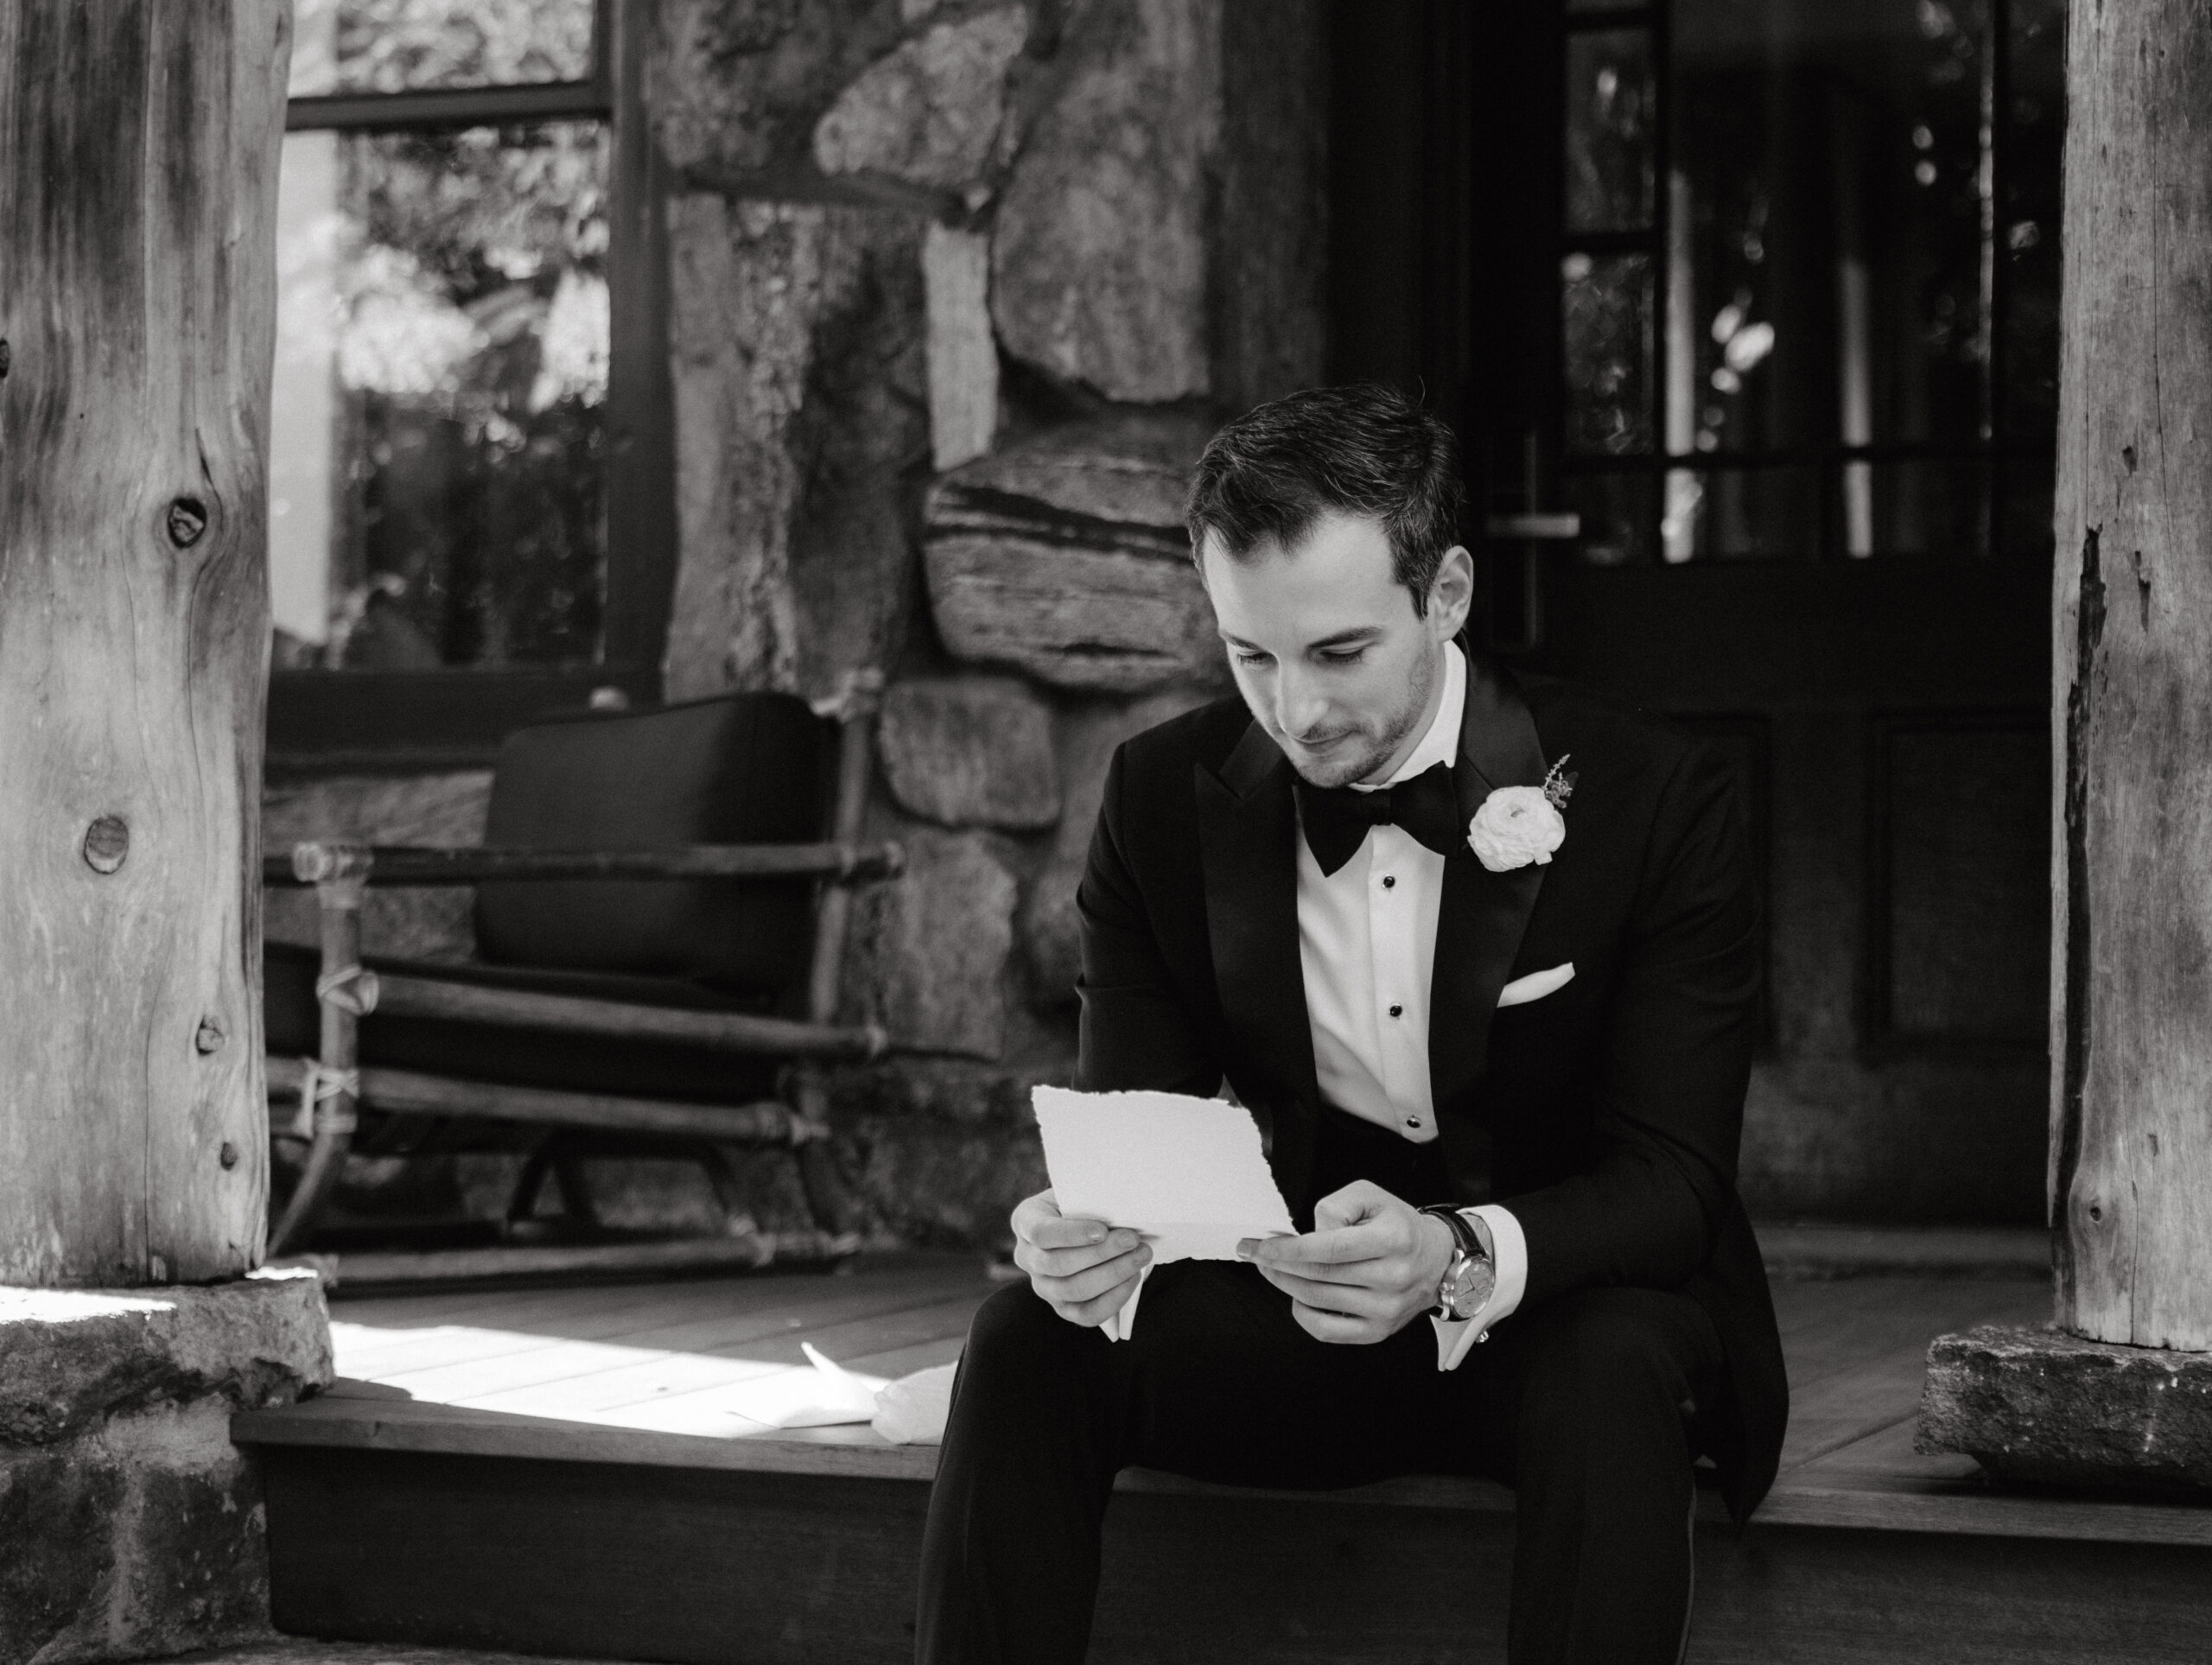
(2131, 909)
(138, 152)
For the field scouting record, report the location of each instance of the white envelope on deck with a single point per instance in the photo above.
(1536, 985)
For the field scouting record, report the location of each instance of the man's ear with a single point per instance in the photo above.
(1452, 592)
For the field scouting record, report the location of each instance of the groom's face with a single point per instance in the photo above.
(1328, 651)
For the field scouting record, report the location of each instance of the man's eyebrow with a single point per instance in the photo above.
(1357, 633)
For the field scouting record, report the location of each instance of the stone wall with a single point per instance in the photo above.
(957, 292)
(129, 1525)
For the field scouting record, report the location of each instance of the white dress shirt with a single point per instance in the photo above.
(1367, 945)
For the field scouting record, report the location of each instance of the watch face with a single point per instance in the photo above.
(1468, 1284)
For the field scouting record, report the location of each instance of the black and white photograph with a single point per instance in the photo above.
(1106, 832)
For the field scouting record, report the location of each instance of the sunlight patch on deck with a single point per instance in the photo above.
(731, 1392)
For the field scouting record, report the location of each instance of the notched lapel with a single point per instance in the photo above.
(1247, 824)
(1482, 914)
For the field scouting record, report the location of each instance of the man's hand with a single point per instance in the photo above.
(1370, 1265)
(1083, 1269)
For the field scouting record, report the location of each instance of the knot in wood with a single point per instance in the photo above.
(209, 1037)
(7, 358)
(107, 840)
(188, 519)
(228, 1156)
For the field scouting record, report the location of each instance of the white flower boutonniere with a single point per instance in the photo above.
(1518, 825)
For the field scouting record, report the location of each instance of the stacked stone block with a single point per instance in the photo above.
(129, 1525)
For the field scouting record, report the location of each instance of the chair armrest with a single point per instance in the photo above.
(425, 865)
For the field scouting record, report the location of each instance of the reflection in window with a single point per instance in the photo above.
(1616, 514)
(436, 466)
(1833, 250)
(2034, 131)
(1607, 309)
(1741, 513)
(1851, 253)
(1610, 106)
(412, 46)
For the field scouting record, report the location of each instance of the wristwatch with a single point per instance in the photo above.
(1470, 1277)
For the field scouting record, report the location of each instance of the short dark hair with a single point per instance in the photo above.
(1363, 449)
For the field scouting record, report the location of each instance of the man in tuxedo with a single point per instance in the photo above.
(1479, 951)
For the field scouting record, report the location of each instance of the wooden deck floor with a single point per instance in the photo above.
(659, 1373)
(564, 1471)
(665, 1359)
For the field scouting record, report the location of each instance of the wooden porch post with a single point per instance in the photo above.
(2120, 1390)
(138, 277)
(2131, 1133)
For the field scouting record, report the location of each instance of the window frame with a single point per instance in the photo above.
(323, 722)
(1993, 451)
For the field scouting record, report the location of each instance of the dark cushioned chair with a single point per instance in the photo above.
(683, 1005)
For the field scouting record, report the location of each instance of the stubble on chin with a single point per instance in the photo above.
(1372, 755)
(1330, 772)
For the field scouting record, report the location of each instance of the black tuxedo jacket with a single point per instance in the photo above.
(1606, 1115)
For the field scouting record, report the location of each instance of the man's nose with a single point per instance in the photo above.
(1300, 706)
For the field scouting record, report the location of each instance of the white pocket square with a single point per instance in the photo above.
(1536, 985)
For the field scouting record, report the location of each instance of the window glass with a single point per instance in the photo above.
(411, 45)
(1826, 304)
(1830, 266)
(1743, 513)
(1606, 304)
(2035, 138)
(436, 453)
(1615, 513)
(1609, 100)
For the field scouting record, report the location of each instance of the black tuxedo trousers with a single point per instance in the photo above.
(1584, 1406)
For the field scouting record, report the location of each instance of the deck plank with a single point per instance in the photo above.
(1854, 1346)
(460, 1361)
(905, 1361)
(611, 1372)
(1857, 1376)
(576, 1502)
(670, 1376)
(389, 1329)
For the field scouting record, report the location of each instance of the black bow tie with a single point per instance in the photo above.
(1337, 817)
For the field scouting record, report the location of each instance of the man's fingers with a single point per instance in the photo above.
(1040, 1262)
(1384, 1271)
(1099, 1308)
(1362, 1199)
(1038, 1220)
(1059, 1231)
(1092, 1282)
(1372, 1240)
(1335, 1326)
(1355, 1300)
(1043, 1206)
